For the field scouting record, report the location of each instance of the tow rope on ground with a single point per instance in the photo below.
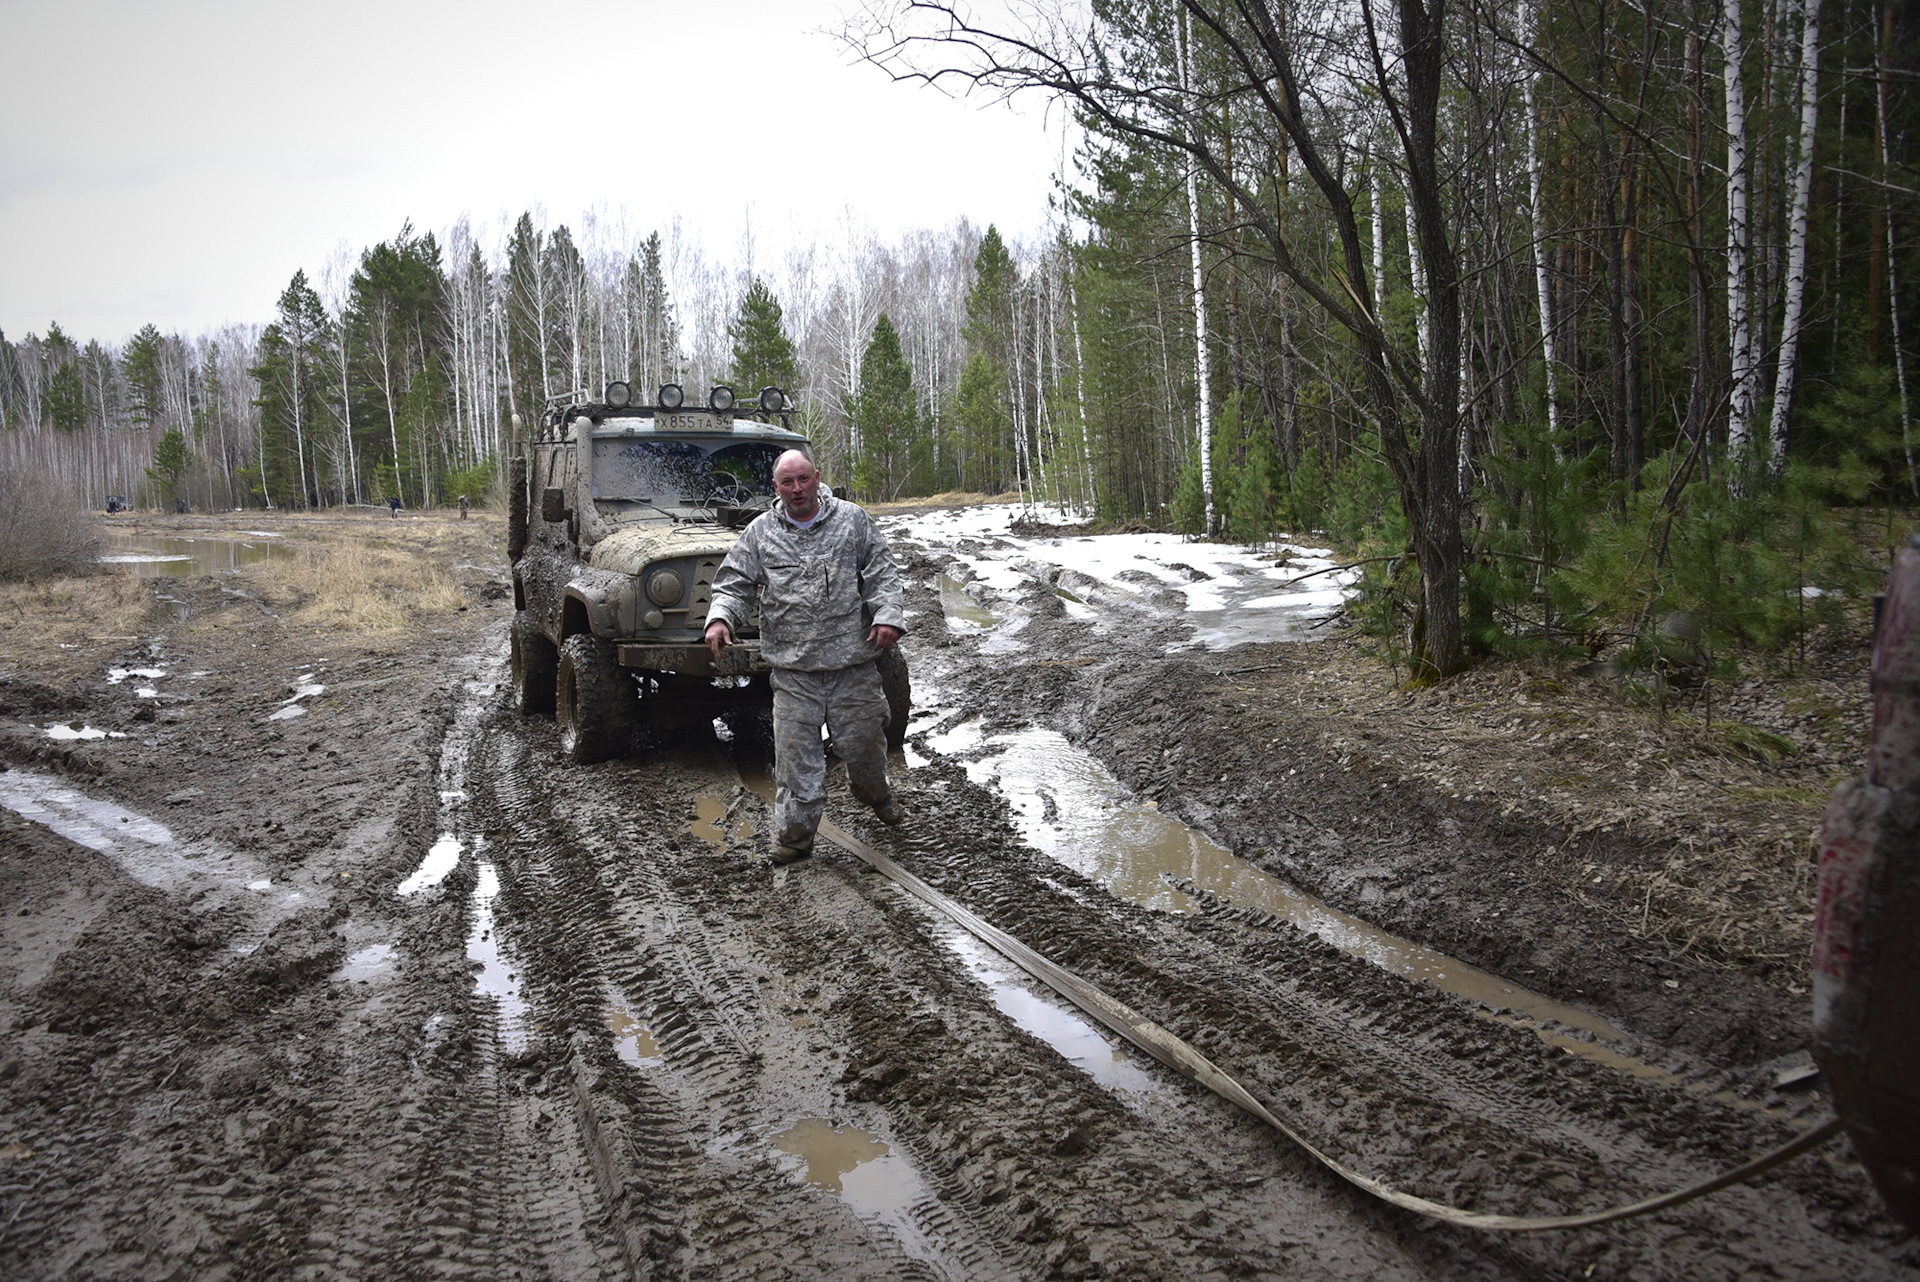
(1191, 1064)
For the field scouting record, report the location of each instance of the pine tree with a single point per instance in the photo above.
(982, 409)
(141, 364)
(763, 355)
(887, 416)
(170, 461)
(66, 397)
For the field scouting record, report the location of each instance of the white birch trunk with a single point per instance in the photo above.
(1548, 348)
(1202, 375)
(1739, 317)
(1419, 275)
(1379, 231)
(1080, 386)
(1796, 284)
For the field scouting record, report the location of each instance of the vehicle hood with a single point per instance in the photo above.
(631, 549)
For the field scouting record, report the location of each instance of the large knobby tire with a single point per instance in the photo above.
(894, 680)
(535, 664)
(595, 702)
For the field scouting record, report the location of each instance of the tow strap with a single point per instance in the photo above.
(1191, 1064)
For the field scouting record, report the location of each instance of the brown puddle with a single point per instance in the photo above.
(154, 554)
(710, 811)
(632, 1041)
(831, 1153)
(860, 1169)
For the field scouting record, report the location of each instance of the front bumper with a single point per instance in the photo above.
(741, 659)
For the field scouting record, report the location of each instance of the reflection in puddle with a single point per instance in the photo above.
(495, 980)
(97, 825)
(434, 868)
(957, 739)
(861, 1170)
(632, 1041)
(1070, 808)
(1049, 1019)
(961, 608)
(149, 554)
(371, 963)
(710, 811)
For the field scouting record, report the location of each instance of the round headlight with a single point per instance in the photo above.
(619, 395)
(665, 588)
(671, 396)
(772, 400)
(720, 399)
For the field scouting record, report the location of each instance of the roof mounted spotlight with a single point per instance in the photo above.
(619, 395)
(720, 399)
(772, 400)
(671, 396)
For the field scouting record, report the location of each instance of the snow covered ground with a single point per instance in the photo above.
(1229, 595)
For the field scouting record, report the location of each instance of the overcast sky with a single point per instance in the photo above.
(175, 161)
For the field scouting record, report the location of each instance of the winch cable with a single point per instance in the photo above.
(1191, 1064)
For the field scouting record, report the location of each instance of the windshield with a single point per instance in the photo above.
(683, 473)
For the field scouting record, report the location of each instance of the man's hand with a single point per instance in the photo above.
(720, 636)
(883, 636)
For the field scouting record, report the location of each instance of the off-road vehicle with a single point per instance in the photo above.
(619, 517)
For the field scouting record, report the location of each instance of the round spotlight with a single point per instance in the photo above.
(619, 395)
(665, 588)
(671, 397)
(772, 400)
(720, 399)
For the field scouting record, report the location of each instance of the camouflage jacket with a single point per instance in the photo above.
(820, 589)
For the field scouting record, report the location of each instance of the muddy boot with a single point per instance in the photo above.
(789, 854)
(889, 812)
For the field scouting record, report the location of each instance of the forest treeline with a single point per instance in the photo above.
(1567, 314)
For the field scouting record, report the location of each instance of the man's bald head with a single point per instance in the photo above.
(797, 481)
(794, 461)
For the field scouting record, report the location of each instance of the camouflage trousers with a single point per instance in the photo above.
(852, 705)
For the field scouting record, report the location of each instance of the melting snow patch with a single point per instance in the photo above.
(1229, 594)
(287, 713)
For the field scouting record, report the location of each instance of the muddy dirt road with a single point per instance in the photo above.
(383, 988)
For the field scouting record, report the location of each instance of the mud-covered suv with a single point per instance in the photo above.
(619, 517)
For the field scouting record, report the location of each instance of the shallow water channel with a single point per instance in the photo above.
(1070, 808)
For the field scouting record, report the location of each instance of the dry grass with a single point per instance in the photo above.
(44, 529)
(359, 587)
(71, 613)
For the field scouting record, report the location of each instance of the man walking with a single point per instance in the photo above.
(830, 601)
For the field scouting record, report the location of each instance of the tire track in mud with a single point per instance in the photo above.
(1414, 1086)
(613, 901)
(1030, 1167)
(445, 1156)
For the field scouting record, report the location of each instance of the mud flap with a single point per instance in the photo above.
(535, 664)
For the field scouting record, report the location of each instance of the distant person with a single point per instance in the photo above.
(463, 507)
(393, 507)
(830, 602)
(179, 507)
